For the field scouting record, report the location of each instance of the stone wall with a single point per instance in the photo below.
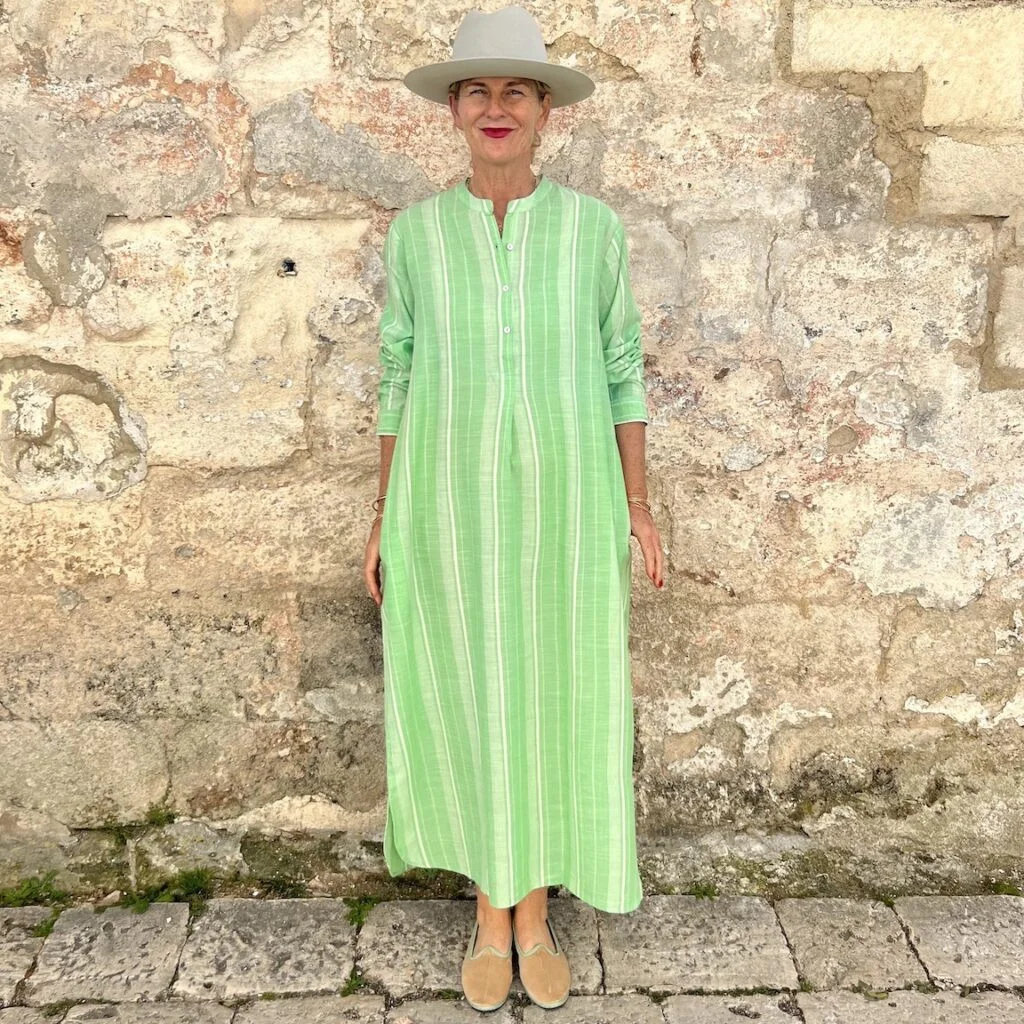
(824, 204)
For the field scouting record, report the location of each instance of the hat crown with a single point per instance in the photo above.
(509, 33)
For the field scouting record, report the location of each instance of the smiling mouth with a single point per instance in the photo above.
(497, 133)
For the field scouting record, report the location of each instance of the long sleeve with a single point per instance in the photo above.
(396, 336)
(620, 334)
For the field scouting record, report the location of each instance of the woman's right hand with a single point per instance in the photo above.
(371, 566)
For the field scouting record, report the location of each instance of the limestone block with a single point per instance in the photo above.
(1009, 321)
(23, 300)
(290, 141)
(271, 52)
(65, 432)
(971, 178)
(209, 657)
(219, 769)
(727, 1009)
(843, 943)
(298, 531)
(680, 943)
(967, 940)
(971, 56)
(115, 955)
(628, 1009)
(156, 1013)
(62, 545)
(909, 1008)
(84, 860)
(414, 946)
(731, 267)
(944, 548)
(187, 846)
(156, 146)
(23, 1015)
(216, 352)
(18, 946)
(82, 773)
(607, 40)
(734, 40)
(797, 669)
(448, 1011)
(968, 667)
(360, 1009)
(869, 293)
(241, 948)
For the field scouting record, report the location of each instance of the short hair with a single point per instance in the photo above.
(543, 89)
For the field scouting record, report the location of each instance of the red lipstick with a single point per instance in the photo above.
(496, 133)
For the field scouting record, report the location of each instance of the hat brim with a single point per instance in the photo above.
(432, 81)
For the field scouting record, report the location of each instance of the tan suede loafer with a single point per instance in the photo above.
(486, 974)
(544, 971)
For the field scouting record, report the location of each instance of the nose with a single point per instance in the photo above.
(494, 105)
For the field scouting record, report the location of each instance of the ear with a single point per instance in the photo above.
(453, 105)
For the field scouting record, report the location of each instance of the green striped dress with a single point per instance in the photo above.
(507, 359)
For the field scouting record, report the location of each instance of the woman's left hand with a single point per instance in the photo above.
(641, 526)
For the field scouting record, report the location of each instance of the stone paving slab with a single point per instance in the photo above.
(25, 1015)
(240, 948)
(967, 940)
(684, 943)
(447, 1011)
(416, 946)
(149, 1013)
(356, 1009)
(911, 1008)
(117, 955)
(764, 1009)
(18, 946)
(628, 1009)
(841, 943)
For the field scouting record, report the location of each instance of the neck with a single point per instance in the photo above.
(502, 184)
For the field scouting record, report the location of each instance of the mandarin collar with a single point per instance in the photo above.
(540, 192)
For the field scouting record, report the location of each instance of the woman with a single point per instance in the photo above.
(512, 412)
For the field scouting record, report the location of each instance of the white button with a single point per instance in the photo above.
(508, 330)
(504, 287)
(509, 246)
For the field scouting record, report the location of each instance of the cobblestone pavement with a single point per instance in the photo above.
(675, 960)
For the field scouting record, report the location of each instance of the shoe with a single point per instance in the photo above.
(544, 971)
(486, 974)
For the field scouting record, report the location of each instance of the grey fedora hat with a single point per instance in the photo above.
(506, 44)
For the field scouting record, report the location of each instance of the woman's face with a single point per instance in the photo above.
(499, 116)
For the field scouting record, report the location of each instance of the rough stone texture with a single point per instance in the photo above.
(116, 955)
(443, 1011)
(843, 943)
(961, 91)
(360, 1009)
(1009, 320)
(683, 943)
(728, 1009)
(598, 1010)
(910, 1008)
(823, 201)
(962, 177)
(416, 946)
(18, 946)
(967, 940)
(86, 771)
(24, 1015)
(242, 948)
(166, 1013)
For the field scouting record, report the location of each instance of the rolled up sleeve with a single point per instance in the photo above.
(620, 335)
(396, 336)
